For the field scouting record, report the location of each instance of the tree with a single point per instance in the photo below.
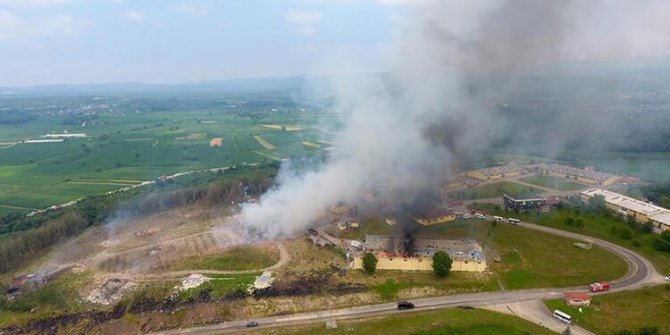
(441, 263)
(648, 331)
(369, 263)
(626, 234)
(597, 203)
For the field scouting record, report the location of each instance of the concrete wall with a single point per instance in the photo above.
(419, 264)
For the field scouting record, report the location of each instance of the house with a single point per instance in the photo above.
(434, 217)
(577, 299)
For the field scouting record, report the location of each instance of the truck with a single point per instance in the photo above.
(599, 287)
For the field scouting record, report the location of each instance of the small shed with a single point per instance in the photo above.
(577, 299)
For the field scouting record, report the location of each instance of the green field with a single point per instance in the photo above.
(601, 226)
(494, 190)
(126, 147)
(552, 182)
(630, 310)
(442, 322)
(235, 259)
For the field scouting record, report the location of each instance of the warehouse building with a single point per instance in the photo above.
(639, 210)
(587, 175)
(519, 203)
(392, 253)
(434, 217)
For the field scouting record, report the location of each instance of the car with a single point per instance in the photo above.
(667, 278)
(252, 323)
(466, 216)
(405, 305)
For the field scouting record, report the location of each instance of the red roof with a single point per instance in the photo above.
(577, 296)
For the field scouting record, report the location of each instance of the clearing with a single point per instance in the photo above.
(263, 142)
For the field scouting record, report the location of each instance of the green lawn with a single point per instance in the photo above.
(605, 227)
(237, 258)
(494, 190)
(447, 322)
(534, 259)
(553, 182)
(630, 310)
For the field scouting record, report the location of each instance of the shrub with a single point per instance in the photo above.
(369, 263)
(441, 263)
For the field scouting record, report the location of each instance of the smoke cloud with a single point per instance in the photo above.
(458, 85)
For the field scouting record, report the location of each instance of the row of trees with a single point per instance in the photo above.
(441, 263)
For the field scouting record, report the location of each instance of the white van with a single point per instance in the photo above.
(513, 221)
(498, 218)
(480, 216)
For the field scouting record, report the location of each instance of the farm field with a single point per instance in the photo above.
(552, 182)
(132, 143)
(604, 316)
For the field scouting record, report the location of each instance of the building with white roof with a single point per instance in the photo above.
(639, 210)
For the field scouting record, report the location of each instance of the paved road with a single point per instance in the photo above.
(641, 272)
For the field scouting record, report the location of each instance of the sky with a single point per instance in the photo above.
(173, 41)
(169, 41)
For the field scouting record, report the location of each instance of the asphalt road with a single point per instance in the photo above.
(640, 273)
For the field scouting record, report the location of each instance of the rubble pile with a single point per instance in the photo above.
(111, 291)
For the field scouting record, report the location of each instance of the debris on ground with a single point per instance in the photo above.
(111, 291)
(192, 281)
(263, 281)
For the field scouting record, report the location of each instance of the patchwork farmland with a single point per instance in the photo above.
(126, 144)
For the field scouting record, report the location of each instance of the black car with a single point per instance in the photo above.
(405, 305)
(252, 323)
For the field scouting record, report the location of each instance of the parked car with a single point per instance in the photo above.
(405, 305)
(252, 323)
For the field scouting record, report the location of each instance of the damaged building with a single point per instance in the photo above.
(395, 253)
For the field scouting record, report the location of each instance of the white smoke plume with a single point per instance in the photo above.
(438, 101)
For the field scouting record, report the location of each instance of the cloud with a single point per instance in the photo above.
(14, 26)
(195, 10)
(404, 2)
(304, 20)
(134, 16)
(35, 2)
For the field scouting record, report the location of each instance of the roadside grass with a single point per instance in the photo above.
(234, 259)
(446, 321)
(628, 310)
(389, 289)
(494, 190)
(553, 182)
